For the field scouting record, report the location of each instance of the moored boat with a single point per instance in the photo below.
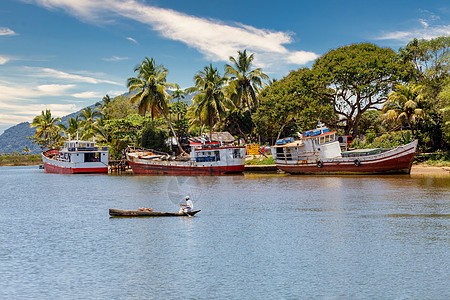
(206, 158)
(146, 213)
(318, 152)
(76, 157)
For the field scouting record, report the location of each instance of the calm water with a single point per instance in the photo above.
(257, 237)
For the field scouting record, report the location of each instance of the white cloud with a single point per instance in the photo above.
(55, 89)
(216, 40)
(11, 91)
(88, 95)
(428, 29)
(56, 74)
(6, 31)
(428, 32)
(133, 40)
(26, 111)
(115, 58)
(4, 60)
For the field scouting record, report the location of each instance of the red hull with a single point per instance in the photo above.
(178, 170)
(394, 165)
(49, 168)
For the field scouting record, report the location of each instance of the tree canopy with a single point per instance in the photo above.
(298, 99)
(360, 76)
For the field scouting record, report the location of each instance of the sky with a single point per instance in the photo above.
(65, 55)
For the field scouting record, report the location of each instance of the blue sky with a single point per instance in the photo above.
(67, 54)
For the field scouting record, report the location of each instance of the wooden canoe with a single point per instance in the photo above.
(136, 213)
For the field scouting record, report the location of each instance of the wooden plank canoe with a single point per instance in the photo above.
(136, 213)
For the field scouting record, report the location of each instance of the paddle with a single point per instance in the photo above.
(185, 212)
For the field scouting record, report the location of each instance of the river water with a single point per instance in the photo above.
(258, 236)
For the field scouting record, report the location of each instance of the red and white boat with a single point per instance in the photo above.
(76, 157)
(318, 152)
(206, 158)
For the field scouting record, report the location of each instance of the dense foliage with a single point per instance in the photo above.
(381, 97)
(292, 104)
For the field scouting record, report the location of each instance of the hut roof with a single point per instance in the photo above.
(226, 138)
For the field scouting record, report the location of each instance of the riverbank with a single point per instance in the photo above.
(20, 160)
(429, 170)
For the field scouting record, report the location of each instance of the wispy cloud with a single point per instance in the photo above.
(115, 58)
(214, 38)
(4, 60)
(88, 95)
(6, 31)
(26, 111)
(57, 74)
(133, 40)
(426, 29)
(427, 32)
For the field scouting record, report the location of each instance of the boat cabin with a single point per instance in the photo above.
(214, 151)
(77, 151)
(311, 145)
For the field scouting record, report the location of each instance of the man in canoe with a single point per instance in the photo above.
(188, 207)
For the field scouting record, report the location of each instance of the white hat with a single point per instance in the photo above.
(187, 197)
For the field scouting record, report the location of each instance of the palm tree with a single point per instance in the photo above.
(88, 121)
(178, 94)
(102, 105)
(245, 81)
(45, 124)
(74, 126)
(401, 106)
(26, 150)
(209, 102)
(149, 88)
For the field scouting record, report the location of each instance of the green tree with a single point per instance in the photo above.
(179, 110)
(294, 103)
(73, 128)
(430, 58)
(154, 138)
(401, 108)
(149, 88)
(245, 80)
(120, 107)
(89, 118)
(178, 94)
(444, 97)
(26, 150)
(361, 76)
(209, 101)
(371, 120)
(47, 132)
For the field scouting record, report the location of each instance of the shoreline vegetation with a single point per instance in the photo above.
(429, 167)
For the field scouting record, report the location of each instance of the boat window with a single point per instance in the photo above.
(236, 153)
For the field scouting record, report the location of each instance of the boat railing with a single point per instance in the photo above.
(303, 156)
(131, 149)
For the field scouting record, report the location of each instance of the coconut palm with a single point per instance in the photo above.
(245, 81)
(26, 150)
(149, 88)
(401, 108)
(45, 124)
(73, 128)
(88, 121)
(209, 103)
(178, 94)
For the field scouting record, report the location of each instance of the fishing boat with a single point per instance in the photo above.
(147, 213)
(207, 157)
(75, 157)
(318, 152)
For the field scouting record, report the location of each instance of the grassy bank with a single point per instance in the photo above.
(256, 161)
(20, 160)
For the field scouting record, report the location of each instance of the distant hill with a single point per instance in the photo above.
(15, 138)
